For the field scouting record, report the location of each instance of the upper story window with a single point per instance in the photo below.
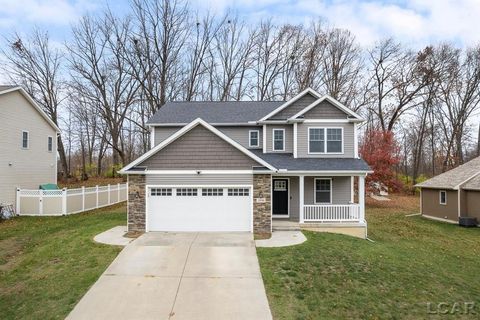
(50, 144)
(278, 139)
(254, 138)
(325, 140)
(25, 139)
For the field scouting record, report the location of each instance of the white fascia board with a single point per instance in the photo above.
(35, 105)
(228, 124)
(196, 172)
(332, 101)
(184, 130)
(289, 102)
(323, 173)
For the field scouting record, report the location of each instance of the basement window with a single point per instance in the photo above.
(443, 197)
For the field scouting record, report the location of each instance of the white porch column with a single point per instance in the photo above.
(361, 196)
(301, 197)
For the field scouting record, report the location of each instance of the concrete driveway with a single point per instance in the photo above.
(180, 276)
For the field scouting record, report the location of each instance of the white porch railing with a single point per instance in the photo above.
(68, 201)
(332, 213)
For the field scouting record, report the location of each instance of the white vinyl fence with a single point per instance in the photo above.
(68, 201)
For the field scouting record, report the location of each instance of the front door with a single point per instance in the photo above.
(280, 197)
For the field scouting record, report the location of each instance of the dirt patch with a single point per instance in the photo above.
(133, 234)
(11, 250)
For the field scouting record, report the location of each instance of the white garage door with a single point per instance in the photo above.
(199, 209)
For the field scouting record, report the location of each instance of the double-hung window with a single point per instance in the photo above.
(278, 139)
(325, 140)
(323, 190)
(50, 144)
(25, 139)
(254, 138)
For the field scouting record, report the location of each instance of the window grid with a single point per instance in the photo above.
(212, 192)
(325, 140)
(164, 192)
(280, 185)
(323, 190)
(278, 140)
(186, 192)
(254, 138)
(317, 140)
(238, 192)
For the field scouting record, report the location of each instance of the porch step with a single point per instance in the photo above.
(286, 228)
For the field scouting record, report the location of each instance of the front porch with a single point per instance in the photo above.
(319, 203)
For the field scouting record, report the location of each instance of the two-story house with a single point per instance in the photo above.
(28, 144)
(244, 166)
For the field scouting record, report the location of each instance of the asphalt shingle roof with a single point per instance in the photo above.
(214, 112)
(287, 161)
(454, 177)
(473, 184)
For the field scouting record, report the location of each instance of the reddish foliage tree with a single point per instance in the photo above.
(381, 151)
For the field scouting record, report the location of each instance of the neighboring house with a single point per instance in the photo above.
(28, 144)
(239, 166)
(452, 194)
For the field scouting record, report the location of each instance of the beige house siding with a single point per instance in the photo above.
(238, 133)
(348, 140)
(29, 167)
(473, 204)
(288, 137)
(431, 204)
(295, 107)
(325, 110)
(199, 149)
(341, 190)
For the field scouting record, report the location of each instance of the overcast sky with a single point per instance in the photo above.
(414, 22)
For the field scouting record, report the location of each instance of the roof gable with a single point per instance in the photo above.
(295, 107)
(291, 101)
(328, 105)
(8, 89)
(142, 161)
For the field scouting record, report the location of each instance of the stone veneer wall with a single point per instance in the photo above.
(262, 211)
(136, 203)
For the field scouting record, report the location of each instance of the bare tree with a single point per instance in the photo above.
(37, 66)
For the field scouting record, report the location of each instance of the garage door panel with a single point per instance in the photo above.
(200, 212)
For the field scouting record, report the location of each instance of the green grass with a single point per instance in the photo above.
(47, 264)
(412, 262)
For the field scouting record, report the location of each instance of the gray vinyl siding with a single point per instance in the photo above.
(202, 179)
(288, 137)
(341, 190)
(162, 133)
(294, 199)
(348, 140)
(325, 110)
(238, 133)
(295, 107)
(241, 134)
(199, 149)
(24, 168)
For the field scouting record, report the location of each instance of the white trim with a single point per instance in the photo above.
(273, 140)
(440, 197)
(216, 124)
(332, 101)
(289, 102)
(195, 172)
(250, 138)
(355, 141)
(465, 181)
(152, 137)
(48, 144)
(421, 202)
(315, 190)
(352, 189)
(339, 173)
(326, 121)
(288, 197)
(186, 129)
(34, 104)
(28, 140)
(439, 219)
(295, 142)
(264, 138)
(56, 157)
(325, 133)
(301, 197)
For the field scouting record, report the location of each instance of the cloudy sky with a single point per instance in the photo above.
(414, 22)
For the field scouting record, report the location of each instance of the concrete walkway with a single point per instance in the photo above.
(114, 236)
(180, 276)
(282, 239)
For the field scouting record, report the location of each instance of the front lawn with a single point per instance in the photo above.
(47, 264)
(413, 265)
